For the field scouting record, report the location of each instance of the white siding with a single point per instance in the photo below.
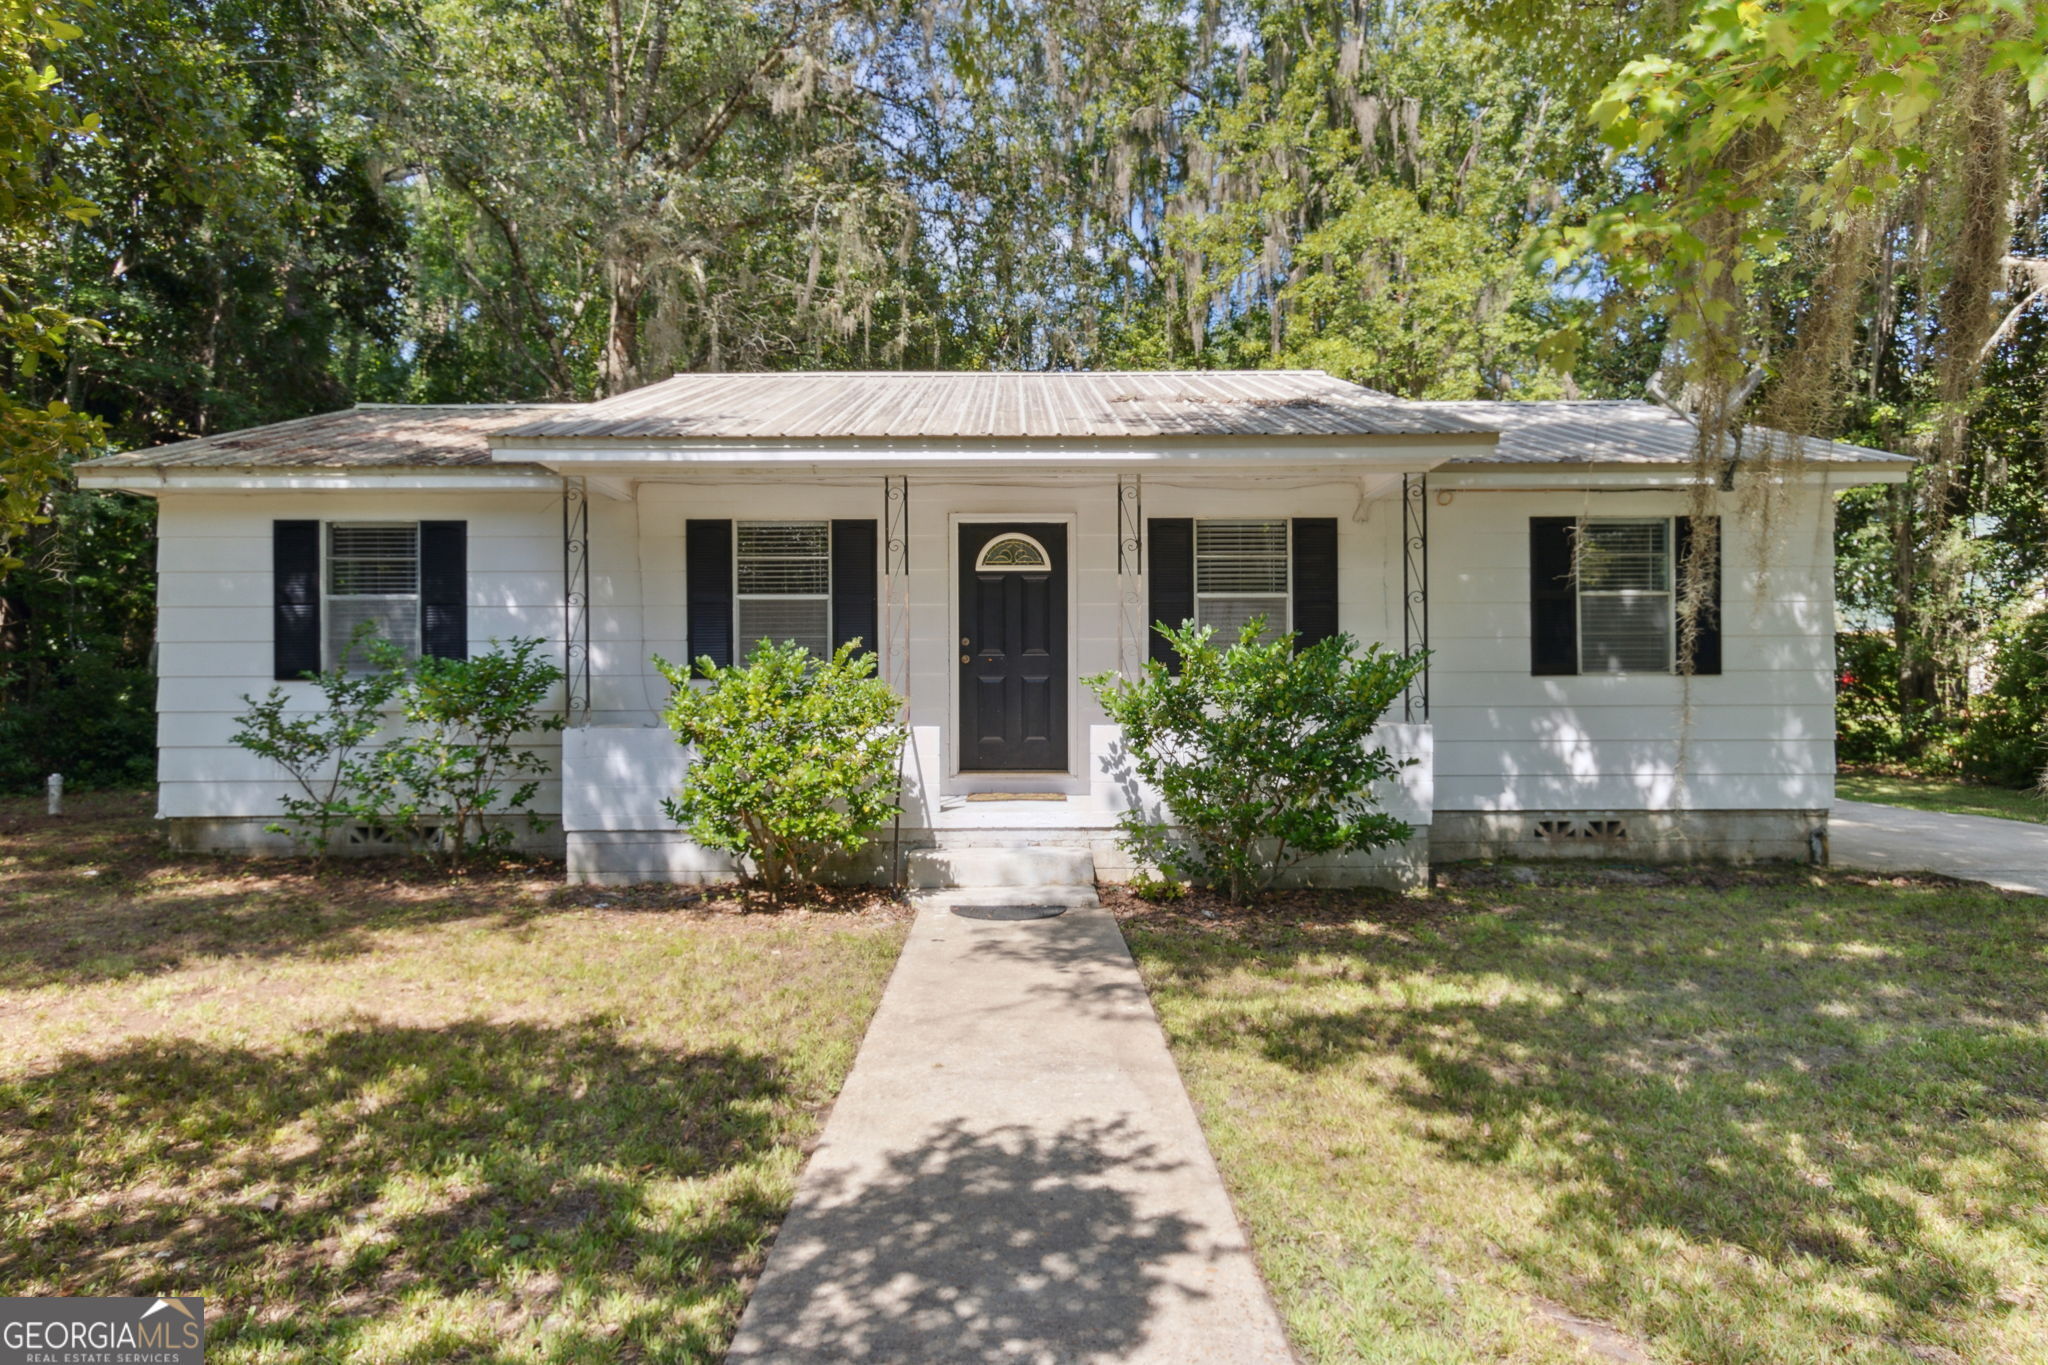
(1758, 736)
(214, 620)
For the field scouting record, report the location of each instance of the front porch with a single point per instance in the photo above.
(988, 598)
(614, 779)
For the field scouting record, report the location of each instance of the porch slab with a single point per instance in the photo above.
(1012, 1173)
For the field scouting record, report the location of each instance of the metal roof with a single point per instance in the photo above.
(1083, 405)
(1261, 403)
(1602, 431)
(370, 436)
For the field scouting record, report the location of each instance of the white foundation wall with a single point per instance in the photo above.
(214, 629)
(1757, 737)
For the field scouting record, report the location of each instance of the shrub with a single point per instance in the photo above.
(1148, 887)
(459, 757)
(91, 719)
(2006, 740)
(796, 757)
(1262, 755)
(318, 749)
(435, 781)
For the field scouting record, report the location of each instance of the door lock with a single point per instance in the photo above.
(965, 659)
(965, 643)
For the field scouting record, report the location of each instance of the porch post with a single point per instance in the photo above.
(1415, 588)
(1133, 631)
(896, 634)
(575, 601)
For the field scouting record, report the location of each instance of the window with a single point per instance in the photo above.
(1012, 554)
(782, 582)
(372, 576)
(1625, 596)
(1241, 571)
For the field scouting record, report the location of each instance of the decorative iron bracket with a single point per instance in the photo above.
(1415, 588)
(1133, 631)
(576, 601)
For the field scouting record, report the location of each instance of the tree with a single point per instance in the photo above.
(39, 134)
(1826, 212)
(615, 188)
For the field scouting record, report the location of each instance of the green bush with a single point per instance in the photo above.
(319, 749)
(2006, 739)
(796, 757)
(92, 720)
(1262, 755)
(1147, 886)
(457, 756)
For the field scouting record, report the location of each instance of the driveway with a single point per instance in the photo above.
(2009, 854)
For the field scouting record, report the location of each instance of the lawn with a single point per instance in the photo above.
(1933, 793)
(379, 1116)
(1740, 1117)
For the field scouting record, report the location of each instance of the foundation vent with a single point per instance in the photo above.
(1578, 831)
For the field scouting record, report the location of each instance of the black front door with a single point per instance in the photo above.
(1013, 646)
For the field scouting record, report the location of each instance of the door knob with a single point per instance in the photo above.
(965, 659)
(965, 643)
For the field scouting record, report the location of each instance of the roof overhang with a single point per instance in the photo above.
(1530, 477)
(151, 480)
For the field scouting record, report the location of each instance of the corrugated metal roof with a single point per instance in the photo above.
(1595, 431)
(372, 436)
(1087, 405)
(1281, 404)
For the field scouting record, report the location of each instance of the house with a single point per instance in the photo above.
(997, 537)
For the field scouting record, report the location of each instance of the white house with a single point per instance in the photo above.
(997, 537)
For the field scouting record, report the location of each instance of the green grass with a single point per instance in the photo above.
(1933, 793)
(384, 1117)
(1780, 1117)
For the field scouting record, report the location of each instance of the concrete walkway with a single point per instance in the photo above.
(2010, 854)
(1013, 1172)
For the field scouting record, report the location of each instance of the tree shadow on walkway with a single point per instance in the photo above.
(982, 1243)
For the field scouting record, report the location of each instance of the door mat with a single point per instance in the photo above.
(1009, 912)
(1017, 796)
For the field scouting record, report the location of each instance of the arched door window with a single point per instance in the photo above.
(1013, 553)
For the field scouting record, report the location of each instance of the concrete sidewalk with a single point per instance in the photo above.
(2010, 854)
(1013, 1172)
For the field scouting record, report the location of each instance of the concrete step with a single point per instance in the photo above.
(1069, 896)
(933, 868)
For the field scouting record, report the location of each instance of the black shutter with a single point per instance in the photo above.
(1553, 597)
(707, 560)
(444, 589)
(1169, 580)
(1315, 580)
(1706, 640)
(295, 598)
(853, 584)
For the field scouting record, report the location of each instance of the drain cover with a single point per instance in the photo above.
(1008, 911)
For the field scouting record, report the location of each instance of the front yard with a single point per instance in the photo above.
(1739, 1117)
(1938, 794)
(381, 1118)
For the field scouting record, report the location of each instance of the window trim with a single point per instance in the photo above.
(1286, 593)
(741, 646)
(1669, 592)
(328, 662)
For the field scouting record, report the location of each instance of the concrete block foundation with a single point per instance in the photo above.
(1730, 836)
